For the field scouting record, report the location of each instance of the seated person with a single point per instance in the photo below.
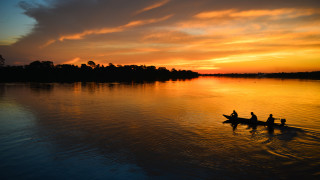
(234, 115)
(270, 120)
(254, 118)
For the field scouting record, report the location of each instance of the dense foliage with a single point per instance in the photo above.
(46, 71)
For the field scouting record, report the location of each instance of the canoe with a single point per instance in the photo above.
(247, 121)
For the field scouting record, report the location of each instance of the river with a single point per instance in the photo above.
(159, 130)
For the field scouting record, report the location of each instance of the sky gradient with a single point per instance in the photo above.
(207, 36)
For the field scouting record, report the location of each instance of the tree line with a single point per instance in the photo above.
(46, 71)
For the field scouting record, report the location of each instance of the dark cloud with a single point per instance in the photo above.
(67, 17)
(70, 16)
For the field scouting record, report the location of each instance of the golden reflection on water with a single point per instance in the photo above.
(178, 124)
(295, 100)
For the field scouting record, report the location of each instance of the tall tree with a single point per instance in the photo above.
(92, 64)
(1, 60)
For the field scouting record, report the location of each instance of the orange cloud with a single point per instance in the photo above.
(94, 31)
(229, 40)
(215, 14)
(164, 36)
(106, 30)
(72, 61)
(114, 29)
(285, 12)
(153, 6)
(47, 43)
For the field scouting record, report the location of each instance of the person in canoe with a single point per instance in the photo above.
(234, 115)
(270, 120)
(253, 118)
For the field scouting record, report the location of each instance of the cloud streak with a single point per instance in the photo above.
(284, 13)
(153, 6)
(106, 30)
(113, 29)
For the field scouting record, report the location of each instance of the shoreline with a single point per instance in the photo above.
(315, 75)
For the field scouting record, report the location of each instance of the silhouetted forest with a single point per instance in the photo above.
(46, 71)
(283, 75)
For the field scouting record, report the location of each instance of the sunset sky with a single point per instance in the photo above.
(207, 36)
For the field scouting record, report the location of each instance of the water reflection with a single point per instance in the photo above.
(2, 90)
(287, 133)
(172, 130)
(270, 130)
(41, 87)
(234, 126)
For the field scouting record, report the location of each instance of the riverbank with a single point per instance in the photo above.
(282, 75)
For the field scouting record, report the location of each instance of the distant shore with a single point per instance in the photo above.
(46, 71)
(283, 75)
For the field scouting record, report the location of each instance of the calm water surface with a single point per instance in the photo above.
(159, 130)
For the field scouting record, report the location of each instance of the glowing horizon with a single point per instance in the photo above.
(227, 38)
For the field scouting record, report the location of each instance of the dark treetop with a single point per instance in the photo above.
(46, 71)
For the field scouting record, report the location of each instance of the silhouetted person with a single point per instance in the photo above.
(270, 120)
(254, 118)
(234, 115)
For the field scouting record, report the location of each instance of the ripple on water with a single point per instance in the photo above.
(162, 130)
